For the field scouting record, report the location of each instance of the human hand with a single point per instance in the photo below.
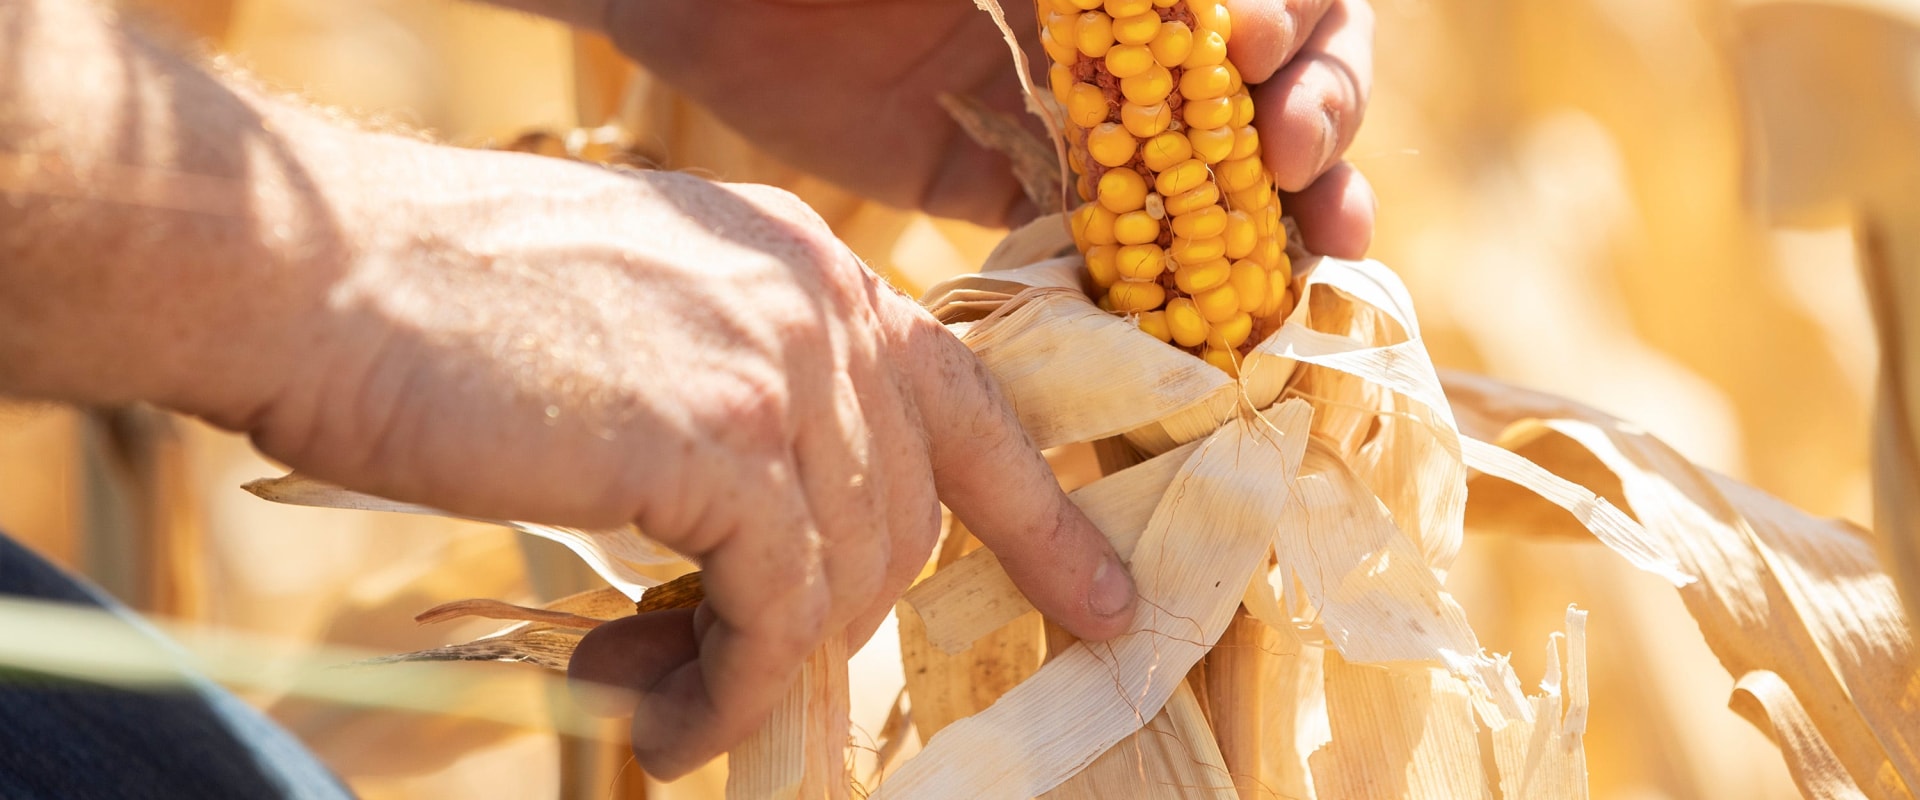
(847, 90)
(705, 360)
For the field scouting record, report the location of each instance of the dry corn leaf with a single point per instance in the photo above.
(1778, 591)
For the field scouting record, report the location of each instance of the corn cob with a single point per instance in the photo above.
(1180, 224)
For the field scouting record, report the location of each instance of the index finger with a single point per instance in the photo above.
(989, 473)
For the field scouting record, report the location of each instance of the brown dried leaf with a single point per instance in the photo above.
(1034, 163)
(550, 648)
(685, 591)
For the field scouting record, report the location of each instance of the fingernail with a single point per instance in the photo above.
(1112, 593)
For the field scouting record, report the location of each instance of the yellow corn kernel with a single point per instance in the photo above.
(1061, 6)
(1214, 113)
(1141, 262)
(1110, 145)
(1185, 324)
(1122, 190)
(1148, 87)
(1105, 303)
(1211, 15)
(1226, 360)
(1197, 278)
(1128, 60)
(1064, 27)
(1077, 159)
(1208, 48)
(1165, 150)
(1266, 221)
(1206, 83)
(1242, 109)
(1252, 199)
(1246, 142)
(1136, 227)
(1238, 228)
(1249, 281)
(1211, 144)
(1102, 266)
(1086, 105)
(1219, 304)
(1086, 5)
(1146, 121)
(1165, 3)
(1197, 251)
(1233, 79)
(1232, 333)
(1128, 8)
(1137, 29)
(1133, 297)
(1060, 78)
(1084, 187)
(1182, 177)
(1267, 253)
(1209, 221)
(1154, 324)
(1277, 300)
(1062, 52)
(1094, 34)
(1093, 225)
(1234, 176)
(1282, 267)
(1171, 44)
(1186, 202)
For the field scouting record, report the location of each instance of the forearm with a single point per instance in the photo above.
(162, 237)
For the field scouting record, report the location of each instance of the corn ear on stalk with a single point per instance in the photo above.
(1180, 224)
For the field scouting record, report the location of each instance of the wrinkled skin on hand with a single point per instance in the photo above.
(846, 88)
(705, 360)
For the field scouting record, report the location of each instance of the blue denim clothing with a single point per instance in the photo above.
(65, 740)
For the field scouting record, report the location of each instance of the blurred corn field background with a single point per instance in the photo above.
(1581, 194)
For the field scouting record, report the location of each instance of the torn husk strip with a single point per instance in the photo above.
(1543, 758)
(1207, 536)
(613, 554)
(1379, 603)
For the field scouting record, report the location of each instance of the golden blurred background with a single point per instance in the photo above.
(1572, 190)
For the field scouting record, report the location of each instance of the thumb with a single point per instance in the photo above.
(988, 472)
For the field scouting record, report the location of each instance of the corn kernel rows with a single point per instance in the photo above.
(1181, 225)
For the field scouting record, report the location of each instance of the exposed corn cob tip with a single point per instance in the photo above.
(1180, 226)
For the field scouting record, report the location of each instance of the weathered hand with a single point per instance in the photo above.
(556, 342)
(847, 90)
